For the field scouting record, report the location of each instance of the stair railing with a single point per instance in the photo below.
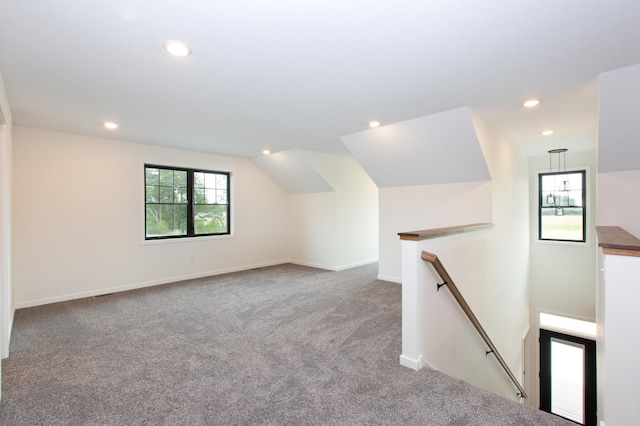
(437, 265)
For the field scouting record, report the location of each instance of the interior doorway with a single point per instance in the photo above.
(568, 376)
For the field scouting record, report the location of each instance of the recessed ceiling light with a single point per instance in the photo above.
(110, 125)
(531, 103)
(374, 123)
(547, 132)
(177, 48)
(266, 152)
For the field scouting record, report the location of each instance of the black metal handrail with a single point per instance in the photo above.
(437, 265)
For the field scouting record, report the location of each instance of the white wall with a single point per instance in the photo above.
(78, 218)
(618, 204)
(619, 200)
(338, 229)
(621, 318)
(356, 213)
(312, 230)
(412, 208)
(7, 307)
(563, 275)
(489, 267)
(508, 247)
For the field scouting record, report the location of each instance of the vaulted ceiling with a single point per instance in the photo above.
(284, 75)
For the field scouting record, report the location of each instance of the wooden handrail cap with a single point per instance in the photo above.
(443, 232)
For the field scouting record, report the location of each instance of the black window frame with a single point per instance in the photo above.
(190, 204)
(583, 207)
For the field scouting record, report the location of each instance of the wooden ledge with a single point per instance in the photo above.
(615, 240)
(443, 232)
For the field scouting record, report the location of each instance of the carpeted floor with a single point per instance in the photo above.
(284, 345)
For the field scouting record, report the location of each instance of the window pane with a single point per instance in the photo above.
(166, 194)
(152, 176)
(198, 180)
(153, 194)
(210, 196)
(180, 178)
(221, 181)
(562, 197)
(221, 196)
(210, 219)
(561, 224)
(180, 195)
(164, 220)
(567, 380)
(166, 177)
(210, 180)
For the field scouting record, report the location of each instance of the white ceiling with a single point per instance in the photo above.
(299, 74)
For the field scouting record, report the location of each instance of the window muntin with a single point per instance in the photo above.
(562, 200)
(185, 202)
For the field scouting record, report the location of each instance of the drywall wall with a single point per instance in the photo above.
(79, 218)
(619, 149)
(412, 208)
(618, 124)
(563, 275)
(356, 208)
(505, 295)
(292, 171)
(434, 149)
(491, 267)
(5, 110)
(618, 200)
(338, 229)
(7, 307)
(312, 230)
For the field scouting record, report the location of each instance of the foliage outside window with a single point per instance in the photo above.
(185, 202)
(562, 213)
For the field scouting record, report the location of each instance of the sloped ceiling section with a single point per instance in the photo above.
(434, 149)
(293, 172)
(619, 126)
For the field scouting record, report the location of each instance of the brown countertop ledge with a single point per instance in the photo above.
(615, 240)
(443, 232)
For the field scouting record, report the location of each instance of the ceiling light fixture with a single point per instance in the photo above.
(176, 48)
(110, 125)
(374, 124)
(547, 132)
(266, 152)
(559, 197)
(531, 103)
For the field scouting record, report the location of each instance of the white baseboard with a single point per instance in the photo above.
(134, 286)
(313, 265)
(414, 364)
(332, 268)
(390, 279)
(355, 265)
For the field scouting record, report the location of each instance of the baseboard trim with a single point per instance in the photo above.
(390, 279)
(414, 364)
(134, 286)
(355, 265)
(332, 268)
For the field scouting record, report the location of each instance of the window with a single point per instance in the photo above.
(185, 202)
(562, 214)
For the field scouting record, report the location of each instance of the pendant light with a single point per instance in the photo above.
(555, 198)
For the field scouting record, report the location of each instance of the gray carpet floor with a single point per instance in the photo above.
(283, 345)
